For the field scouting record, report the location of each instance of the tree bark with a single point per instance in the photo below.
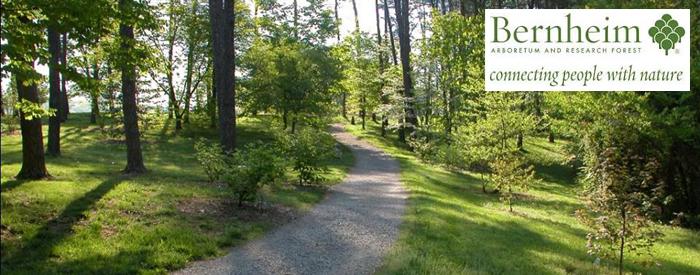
(211, 102)
(95, 96)
(222, 21)
(33, 160)
(134, 157)
(387, 19)
(383, 98)
(54, 145)
(337, 20)
(402, 15)
(622, 240)
(65, 110)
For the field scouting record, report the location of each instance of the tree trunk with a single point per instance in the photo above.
(65, 110)
(222, 21)
(519, 141)
(402, 11)
(94, 109)
(211, 102)
(387, 19)
(622, 240)
(134, 157)
(33, 160)
(95, 112)
(382, 97)
(551, 136)
(337, 20)
(54, 146)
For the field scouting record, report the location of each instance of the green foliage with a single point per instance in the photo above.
(510, 175)
(10, 124)
(31, 110)
(425, 149)
(620, 194)
(111, 125)
(90, 219)
(359, 54)
(450, 218)
(253, 167)
(494, 132)
(307, 150)
(211, 158)
(291, 79)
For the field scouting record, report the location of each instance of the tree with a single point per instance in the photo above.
(183, 33)
(402, 18)
(358, 54)
(65, 109)
(134, 157)
(619, 209)
(222, 18)
(510, 174)
(22, 49)
(55, 98)
(380, 56)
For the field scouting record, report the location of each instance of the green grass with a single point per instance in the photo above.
(451, 227)
(92, 219)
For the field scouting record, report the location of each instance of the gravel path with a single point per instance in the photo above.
(347, 233)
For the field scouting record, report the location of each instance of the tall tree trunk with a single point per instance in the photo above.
(622, 240)
(222, 21)
(2, 62)
(54, 146)
(296, 20)
(383, 98)
(65, 110)
(387, 19)
(463, 7)
(94, 109)
(95, 96)
(172, 34)
(343, 95)
(337, 33)
(33, 160)
(402, 11)
(211, 101)
(134, 157)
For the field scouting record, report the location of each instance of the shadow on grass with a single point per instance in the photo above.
(11, 184)
(39, 248)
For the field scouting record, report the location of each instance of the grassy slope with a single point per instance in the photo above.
(451, 227)
(91, 219)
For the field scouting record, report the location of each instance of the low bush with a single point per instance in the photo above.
(10, 124)
(253, 167)
(211, 157)
(307, 150)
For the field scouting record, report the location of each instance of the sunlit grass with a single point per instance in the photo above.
(91, 219)
(452, 227)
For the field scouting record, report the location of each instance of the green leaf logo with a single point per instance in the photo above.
(666, 32)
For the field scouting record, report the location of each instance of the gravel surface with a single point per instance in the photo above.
(347, 233)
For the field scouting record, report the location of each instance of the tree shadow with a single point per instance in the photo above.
(39, 248)
(11, 184)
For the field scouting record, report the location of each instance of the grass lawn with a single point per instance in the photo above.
(91, 219)
(451, 227)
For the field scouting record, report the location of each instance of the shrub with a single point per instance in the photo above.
(10, 124)
(253, 167)
(510, 174)
(211, 158)
(111, 125)
(308, 149)
(425, 149)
